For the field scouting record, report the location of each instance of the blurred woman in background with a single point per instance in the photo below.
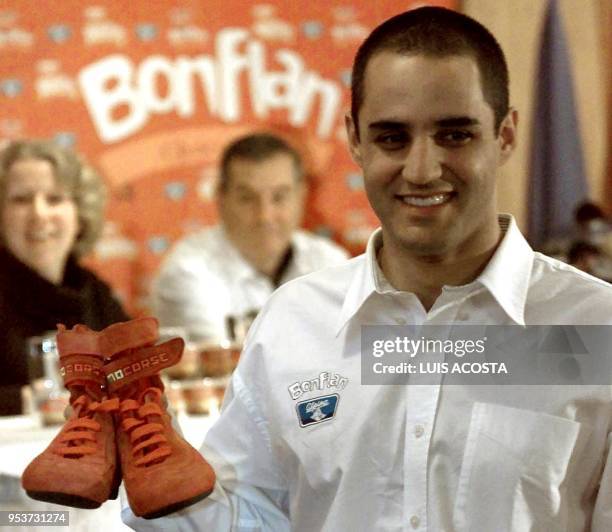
(51, 213)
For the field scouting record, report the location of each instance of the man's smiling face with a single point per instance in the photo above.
(429, 152)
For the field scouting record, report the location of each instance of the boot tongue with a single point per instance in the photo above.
(138, 390)
(91, 389)
(121, 337)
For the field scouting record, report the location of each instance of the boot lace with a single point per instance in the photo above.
(78, 437)
(140, 419)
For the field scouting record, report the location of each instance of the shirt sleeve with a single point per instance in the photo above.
(250, 493)
(602, 516)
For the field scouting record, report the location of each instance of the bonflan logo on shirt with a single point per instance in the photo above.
(324, 381)
(317, 410)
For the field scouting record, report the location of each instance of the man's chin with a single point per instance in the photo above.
(422, 245)
(265, 251)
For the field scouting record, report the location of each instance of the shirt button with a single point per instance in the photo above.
(419, 430)
(415, 521)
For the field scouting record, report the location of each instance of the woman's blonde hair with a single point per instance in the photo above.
(79, 179)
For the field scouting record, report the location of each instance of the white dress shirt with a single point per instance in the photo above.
(408, 458)
(204, 279)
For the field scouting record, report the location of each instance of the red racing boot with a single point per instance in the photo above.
(79, 467)
(162, 473)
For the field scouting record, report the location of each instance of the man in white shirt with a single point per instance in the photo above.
(303, 445)
(225, 274)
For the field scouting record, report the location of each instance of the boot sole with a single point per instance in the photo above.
(177, 506)
(75, 501)
(65, 499)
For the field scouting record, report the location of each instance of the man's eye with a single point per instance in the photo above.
(391, 141)
(454, 138)
(280, 197)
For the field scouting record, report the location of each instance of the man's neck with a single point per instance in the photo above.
(425, 276)
(273, 267)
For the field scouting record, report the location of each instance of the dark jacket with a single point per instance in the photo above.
(30, 306)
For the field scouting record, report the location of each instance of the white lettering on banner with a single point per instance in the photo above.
(114, 82)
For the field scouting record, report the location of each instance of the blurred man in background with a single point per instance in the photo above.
(221, 276)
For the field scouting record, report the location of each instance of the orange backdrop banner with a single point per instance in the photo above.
(152, 90)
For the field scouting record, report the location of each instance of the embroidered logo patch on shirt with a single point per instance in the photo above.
(317, 410)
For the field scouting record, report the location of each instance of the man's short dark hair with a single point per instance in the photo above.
(257, 147)
(437, 32)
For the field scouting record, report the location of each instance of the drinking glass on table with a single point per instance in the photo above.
(49, 398)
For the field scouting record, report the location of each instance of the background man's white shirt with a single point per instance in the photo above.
(204, 279)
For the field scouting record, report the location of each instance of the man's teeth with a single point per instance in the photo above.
(428, 201)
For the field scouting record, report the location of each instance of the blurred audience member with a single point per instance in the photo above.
(51, 208)
(584, 256)
(591, 251)
(224, 274)
(594, 226)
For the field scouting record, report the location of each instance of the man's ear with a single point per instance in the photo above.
(353, 138)
(507, 134)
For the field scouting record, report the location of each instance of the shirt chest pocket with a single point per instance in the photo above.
(514, 464)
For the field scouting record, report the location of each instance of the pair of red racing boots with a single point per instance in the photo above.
(119, 427)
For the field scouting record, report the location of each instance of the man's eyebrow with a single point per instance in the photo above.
(387, 124)
(457, 121)
(451, 121)
(243, 188)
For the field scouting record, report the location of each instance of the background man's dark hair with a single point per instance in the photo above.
(257, 147)
(437, 32)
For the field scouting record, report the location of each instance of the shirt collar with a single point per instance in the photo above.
(241, 269)
(508, 273)
(506, 276)
(363, 284)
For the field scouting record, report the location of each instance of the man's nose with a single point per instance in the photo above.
(266, 211)
(422, 163)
